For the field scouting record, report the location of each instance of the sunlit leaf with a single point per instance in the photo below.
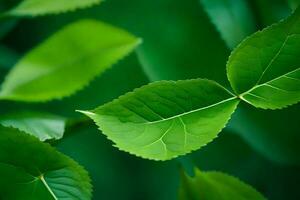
(264, 70)
(67, 61)
(42, 125)
(43, 7)
(31, 169)
(215, 186)
(166, 119)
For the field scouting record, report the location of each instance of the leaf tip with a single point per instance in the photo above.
(85, 112)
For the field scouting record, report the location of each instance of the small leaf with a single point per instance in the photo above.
(215, 186)
(30, 169)
(44, 7)
(67, 61)
(42, 125)
(166, 119)
(264, 70)
(233, 19)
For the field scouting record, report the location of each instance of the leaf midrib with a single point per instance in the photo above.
(35, 178)
(266, 83)
(192, 111)
(89, 113)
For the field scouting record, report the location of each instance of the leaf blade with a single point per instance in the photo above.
(44, 126)
(264, 69)
(67, 61)
(38, 7)
(36, 162)
(160, 121)
(215, 186)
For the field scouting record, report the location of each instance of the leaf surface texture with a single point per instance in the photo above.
(67, 61)
(166, 119)
(264, 70)
(33, 170)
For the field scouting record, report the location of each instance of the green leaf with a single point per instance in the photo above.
(264, 70)
(44, 7)
(215, 186)
(166, 119)
(67, 61)
(33, 170)
(232, 18)
(294, 3)
(42, 125)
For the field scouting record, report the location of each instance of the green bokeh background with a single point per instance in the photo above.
(180, 41)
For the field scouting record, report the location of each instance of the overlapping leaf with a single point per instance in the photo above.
(215, 186)
(264, 70)
(166, 119)
(42, 125)
(67, 61)
(43, 7)
(30, 170)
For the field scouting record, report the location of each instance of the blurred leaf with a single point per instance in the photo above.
(215, 186)
(294, 3)
(42, 125)
(267, 131)
(233, 19)
(246, 163)
(67, 61)
(166, 119)
(43, 7)
(264, 69)
(30, 169)
(177, 30)
(98, 89)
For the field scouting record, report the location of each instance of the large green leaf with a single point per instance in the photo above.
(67, 61)
(264, 70)
(42, 125)
(43, 7)
(165, 119)
(215, 186)
(233, 19)
(32, 170)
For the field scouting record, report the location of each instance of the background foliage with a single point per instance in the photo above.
(181, 40)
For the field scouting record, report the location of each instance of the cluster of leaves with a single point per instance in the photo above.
(158, 121)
